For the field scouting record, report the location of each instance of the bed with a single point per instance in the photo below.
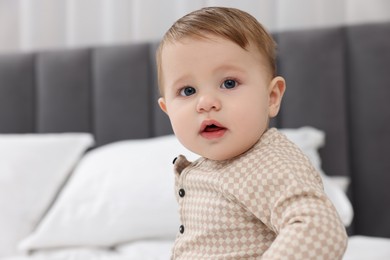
(85, 152)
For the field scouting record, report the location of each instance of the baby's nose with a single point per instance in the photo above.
(207, 103)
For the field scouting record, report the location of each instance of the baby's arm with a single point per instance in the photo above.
(307, 226)
(288, 198)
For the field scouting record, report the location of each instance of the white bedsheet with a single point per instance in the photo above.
(140, 250)
(367, 248)
(359, 248)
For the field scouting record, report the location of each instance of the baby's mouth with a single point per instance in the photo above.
(211, 129)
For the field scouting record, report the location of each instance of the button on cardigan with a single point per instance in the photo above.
(267, 203)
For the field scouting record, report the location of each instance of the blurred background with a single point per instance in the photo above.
(27, 25)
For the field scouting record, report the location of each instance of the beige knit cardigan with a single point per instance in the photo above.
(268, 203)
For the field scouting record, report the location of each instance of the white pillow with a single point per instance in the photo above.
(120, 192)
(309, 140)
(32, 169)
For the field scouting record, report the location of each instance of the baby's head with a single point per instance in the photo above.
(229, 23)
(218, 83)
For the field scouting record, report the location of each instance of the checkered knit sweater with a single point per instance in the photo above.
(267, 203)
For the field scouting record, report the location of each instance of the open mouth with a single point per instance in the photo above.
(211, 129)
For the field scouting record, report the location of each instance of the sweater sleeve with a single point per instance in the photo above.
(307, 226)
(288, 197)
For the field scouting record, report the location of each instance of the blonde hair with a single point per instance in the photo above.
(230, 23)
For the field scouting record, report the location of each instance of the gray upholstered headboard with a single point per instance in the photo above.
(338, 80)
(108, 91)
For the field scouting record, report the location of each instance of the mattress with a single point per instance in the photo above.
(359, 248)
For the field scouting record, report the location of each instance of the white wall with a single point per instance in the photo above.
(38, 24)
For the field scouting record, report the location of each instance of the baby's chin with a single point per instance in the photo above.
(221, 150)
(222, 154)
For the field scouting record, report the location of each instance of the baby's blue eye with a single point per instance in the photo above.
(229, 84)
(187, 91)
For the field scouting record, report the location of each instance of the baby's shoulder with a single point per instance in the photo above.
(276, 157)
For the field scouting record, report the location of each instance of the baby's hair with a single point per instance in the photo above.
(229, 23)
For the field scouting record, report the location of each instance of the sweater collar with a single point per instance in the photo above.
(181, 161)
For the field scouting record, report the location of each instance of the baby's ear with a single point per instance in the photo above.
(162, 104)
(276, 91)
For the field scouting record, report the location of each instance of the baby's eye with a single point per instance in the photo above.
(229, 84)
(187, 91)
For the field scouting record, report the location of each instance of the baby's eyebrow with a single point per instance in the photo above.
(229, 67)
(181, 81)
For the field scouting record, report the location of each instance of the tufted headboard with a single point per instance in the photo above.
(338, 80)
(108, 91)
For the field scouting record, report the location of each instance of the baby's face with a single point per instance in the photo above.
(218, 96)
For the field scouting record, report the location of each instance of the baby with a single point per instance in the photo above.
(252, 194)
